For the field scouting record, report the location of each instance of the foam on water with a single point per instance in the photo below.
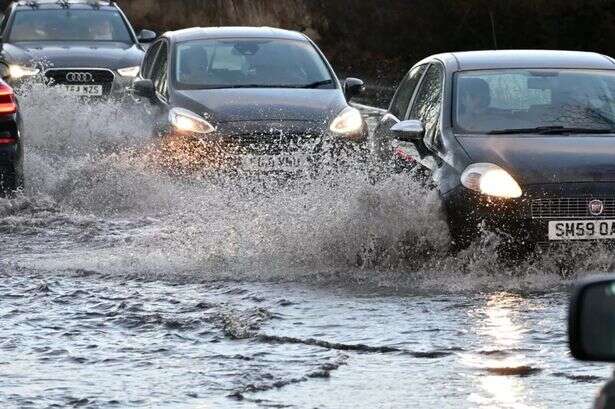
(89, 183)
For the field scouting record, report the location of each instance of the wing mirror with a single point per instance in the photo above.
(408, 131)
(353, 87)
(144, 88)
(146, 36)
(591, 325)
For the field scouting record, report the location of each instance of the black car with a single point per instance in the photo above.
(522, 140)
(591, 329)
(11, 149)
(250, 96)
(87, 47)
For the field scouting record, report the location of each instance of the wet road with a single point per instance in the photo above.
(124, 287)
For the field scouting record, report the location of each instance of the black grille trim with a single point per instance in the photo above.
(570, 208)
(102, 77)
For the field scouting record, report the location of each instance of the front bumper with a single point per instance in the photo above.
(289, 151)
(528, 217)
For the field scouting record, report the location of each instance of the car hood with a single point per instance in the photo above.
(74, 54)
(254, 105)
(547, 159)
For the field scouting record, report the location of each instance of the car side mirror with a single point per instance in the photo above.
(408, 131)
(146, 36)
(144, 88)
(353, 87)
(591, 325)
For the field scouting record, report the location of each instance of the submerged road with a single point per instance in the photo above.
(123, 287)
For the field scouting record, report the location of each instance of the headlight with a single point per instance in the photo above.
(491, 180)
(129, 71)
(20, 71)
(348, 122)
(188, 121)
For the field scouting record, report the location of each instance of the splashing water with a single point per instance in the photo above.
(88, 181)
(233, 291)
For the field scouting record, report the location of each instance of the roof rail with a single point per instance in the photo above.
(65, 3)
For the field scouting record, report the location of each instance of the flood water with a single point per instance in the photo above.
(122, 286)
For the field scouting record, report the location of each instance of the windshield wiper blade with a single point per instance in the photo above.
(252, 86)
(317, 84)
(551, 130)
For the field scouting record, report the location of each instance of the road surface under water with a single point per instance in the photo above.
(121, 286)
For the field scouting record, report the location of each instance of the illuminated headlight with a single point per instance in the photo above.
(349, 122)
(188, 121)
(129, 71)
(491, 180)
(20, 71)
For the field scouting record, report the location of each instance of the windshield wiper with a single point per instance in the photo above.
(317, 84)
(551, 130)
(252, 86)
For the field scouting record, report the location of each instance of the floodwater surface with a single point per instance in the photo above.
(122, 286)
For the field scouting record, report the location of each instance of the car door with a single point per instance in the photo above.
(381, 146)
(427, 108)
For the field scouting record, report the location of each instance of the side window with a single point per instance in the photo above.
(161, 69)
(148, 60)
(428, 102)
(405, 91)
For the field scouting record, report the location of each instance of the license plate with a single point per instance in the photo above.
(85, 90)
(271, 162)
(582, 230)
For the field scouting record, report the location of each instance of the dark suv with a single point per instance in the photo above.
(87, 47)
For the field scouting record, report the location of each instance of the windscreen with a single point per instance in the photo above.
(494, 101)
(250, 63)
(69, 25)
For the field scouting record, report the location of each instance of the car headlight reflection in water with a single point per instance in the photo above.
(491, 180)
(20, 71)
(187, 121)
(348, 123)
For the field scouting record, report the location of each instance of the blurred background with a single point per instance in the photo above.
(379, 40)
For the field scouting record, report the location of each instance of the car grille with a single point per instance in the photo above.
(570, 208)
(274, 144)
(102, 77)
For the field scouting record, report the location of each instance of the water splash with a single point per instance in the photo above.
(89, 182)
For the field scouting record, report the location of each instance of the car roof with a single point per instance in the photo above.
(203, 33)
(70, 4)
(534, 59)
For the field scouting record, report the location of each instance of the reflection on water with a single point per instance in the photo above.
(502, 365)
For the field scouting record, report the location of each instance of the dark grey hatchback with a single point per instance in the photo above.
(522, 140)
(247, 98)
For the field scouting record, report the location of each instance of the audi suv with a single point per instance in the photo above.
(522, 141)
(249, 98)
(87, 47)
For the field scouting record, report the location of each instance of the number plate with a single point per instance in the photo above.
(85, 90)
(582, 230)
(271, 162)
